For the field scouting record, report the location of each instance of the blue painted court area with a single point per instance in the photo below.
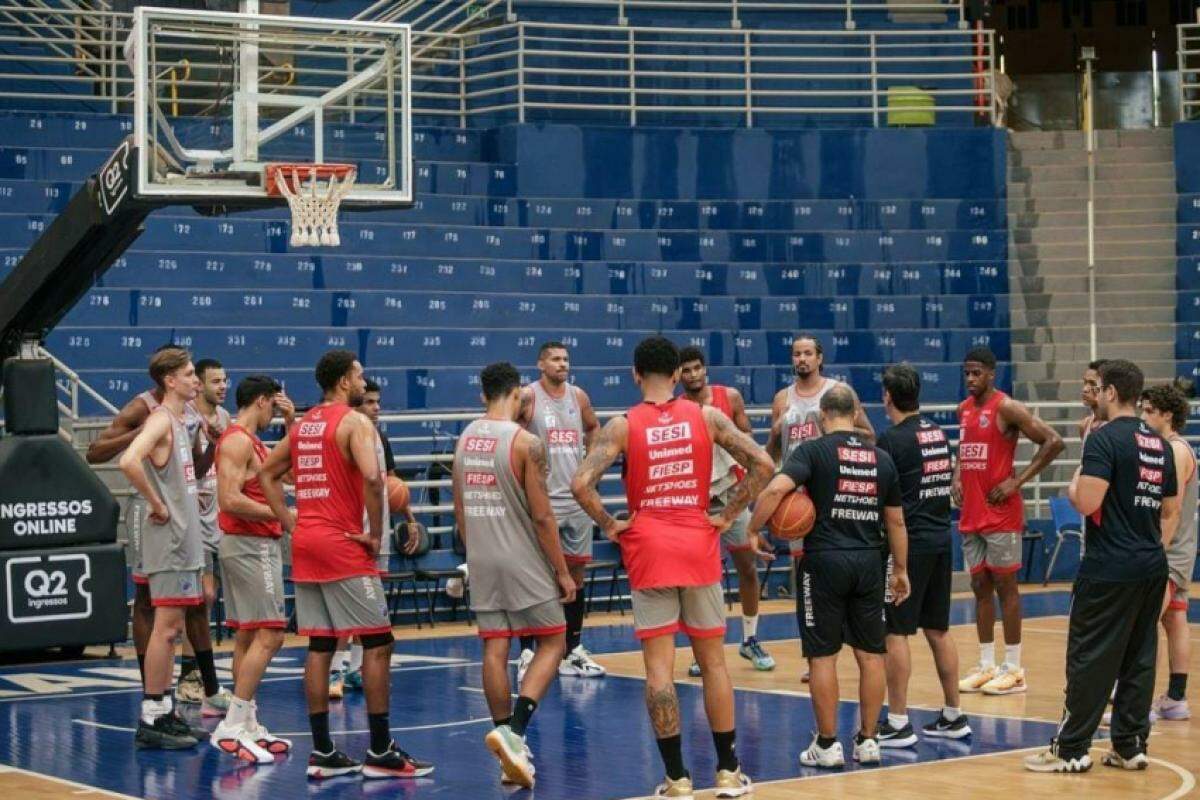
(590, 738)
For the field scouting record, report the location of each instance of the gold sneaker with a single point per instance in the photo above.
(733, 784)
(680, 788)
(1008, 680)
(976, 679)
(337, 685)
(190, 690)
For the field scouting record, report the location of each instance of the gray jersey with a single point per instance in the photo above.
(509, 571)
(1181, 552)
(207, 487)
(559, 424)
(176, 546)
(802, 417)
(385, 544)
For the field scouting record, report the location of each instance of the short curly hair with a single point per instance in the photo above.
(1166, 399)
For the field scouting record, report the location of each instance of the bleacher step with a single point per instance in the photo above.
(1054, 317)
(1044, 173)
(1124, 299)
(1079, 331)
(1121, 155)
(1077, 218)
(1106, 263)
(1071, 140)
(1164, 281)
(1029, 355)
(1139, 187)
(1019, 203)
(1124, 249)
(1077, 234)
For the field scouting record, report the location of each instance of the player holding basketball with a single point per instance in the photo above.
(921, 453)
(1091, 385)
(159, 465)
(209, 404)
(251, 565)
(795, 411)
(519, 578)
(1128, 492)
(112, 442)
(856, 494)
(741, 544)
(1165, 409)
(671, 547)
(331, 453)
(988, 491)
(561, 415)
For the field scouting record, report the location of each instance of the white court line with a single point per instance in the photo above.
(137, 687)
(80, 788)
(122, 729)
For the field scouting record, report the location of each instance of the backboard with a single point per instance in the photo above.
(219, 95)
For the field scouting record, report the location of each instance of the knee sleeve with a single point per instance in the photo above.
(373, 640)
(322, 644)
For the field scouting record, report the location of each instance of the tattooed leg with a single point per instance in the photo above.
(661, 701)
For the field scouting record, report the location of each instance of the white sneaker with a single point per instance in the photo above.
(240, 743)
(268, 741)
(1008, 680)
(867, 751)
(827, 757)
(523, 662)
(509, 749)
(976, 679)
(507, 781)
(1114, 759)
(579, 664)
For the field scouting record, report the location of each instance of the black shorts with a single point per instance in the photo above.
(928, 607)
(841, 602)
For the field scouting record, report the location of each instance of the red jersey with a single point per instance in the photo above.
(720, 401)
(668, 467)
(240, 526)
(985, 458)
(329, 502)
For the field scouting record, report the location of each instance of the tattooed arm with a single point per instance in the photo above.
(748, 455)
(531, 451)
(608, 445)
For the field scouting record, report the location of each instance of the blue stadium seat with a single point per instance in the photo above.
(233, 308)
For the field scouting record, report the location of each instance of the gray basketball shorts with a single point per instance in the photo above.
(698, 611)
(998, 553)
(177, 588)
(135, 522)
(543, 619)
(575, 530)
(252, 580)
(348, 607)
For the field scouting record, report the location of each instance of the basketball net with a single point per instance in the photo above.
(314, 203)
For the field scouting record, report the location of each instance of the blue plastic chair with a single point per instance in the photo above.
(1067, 523)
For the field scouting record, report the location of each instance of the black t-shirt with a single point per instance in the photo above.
(922, 456)
(389, 460)
(849, 482)
(1124, 537)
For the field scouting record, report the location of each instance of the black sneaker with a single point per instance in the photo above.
(890, 737)
(162, 735)
(184, 728)
(943, 728)
(330, 765)
(395, 763)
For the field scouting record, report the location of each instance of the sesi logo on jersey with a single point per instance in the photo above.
(311, 429)
(670, 433)
(477, 445)
(557, 437)
(973, 451)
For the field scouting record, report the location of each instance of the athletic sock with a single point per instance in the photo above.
(141, 657)
(826, 742)
(749, 627)
(951, 713)
(240, 711)
(671, 750)
(340, 659)
(522, 711)
(208, 672)
(152, 708)
(319, 724)
(356, 657)
(381, 737)
(1177, 686)
(498, 722)
(726, 753)
(527, 642)
(574, 614)
(1012, 655)
(987, 654)
(187, 665)
(897, 721)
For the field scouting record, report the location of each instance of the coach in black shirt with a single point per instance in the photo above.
(921, 452)
(1127, 489)
(855, 490)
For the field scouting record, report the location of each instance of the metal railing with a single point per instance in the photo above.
(436, 432)
(733, 10)
(606, 73)
(1188, 52)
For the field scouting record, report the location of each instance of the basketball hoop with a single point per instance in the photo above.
(314, 193)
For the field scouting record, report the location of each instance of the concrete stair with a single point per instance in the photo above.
(1048, 271)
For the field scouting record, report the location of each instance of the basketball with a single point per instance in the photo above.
(794, 517)
(397, 494)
